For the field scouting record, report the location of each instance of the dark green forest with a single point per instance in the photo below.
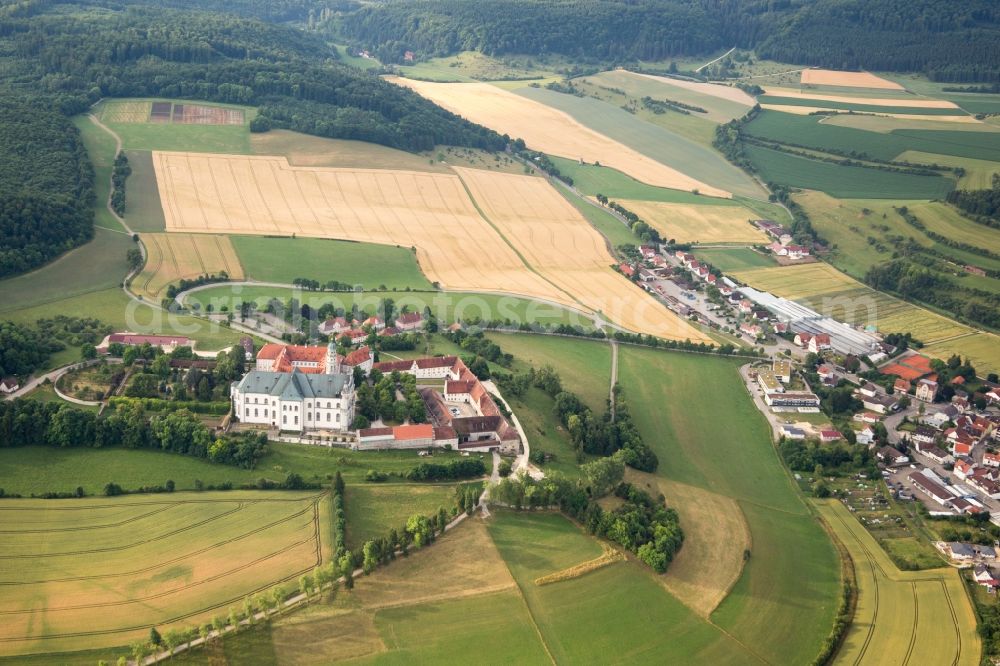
(955, 41)
(46, 186)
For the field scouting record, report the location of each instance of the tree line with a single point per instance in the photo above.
(33, 423)
(946, 41)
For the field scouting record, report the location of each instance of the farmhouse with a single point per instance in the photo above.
(9, 384)
(881, 404)
(830, 435)
(866, 435)
(935, 453)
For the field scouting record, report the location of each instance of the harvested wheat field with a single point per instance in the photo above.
(99, 572)
(551, 131)
(555, 240)
(172, 257)
(691, 223)
(431, 212)
(266, 196)
(829, 77)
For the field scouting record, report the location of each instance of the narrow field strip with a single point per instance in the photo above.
(609, 556)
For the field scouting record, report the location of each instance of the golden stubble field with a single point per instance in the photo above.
(551, 131)
(532, 242)
(172, 257)
(829, 77)
(98, 572)
(556, 241)
(692, 223)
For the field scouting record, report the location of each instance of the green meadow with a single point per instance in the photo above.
(367, 264)
(733, 259)
(696, 414)
(845, 182)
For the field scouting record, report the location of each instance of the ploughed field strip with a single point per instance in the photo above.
(551, 131)
(137, 111)
(172, 257)
(902, 617)
(521, 249)
(99, 572)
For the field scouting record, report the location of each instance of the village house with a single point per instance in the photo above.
(9, 384)
(754, 331)
(939, 418)
(334, 326)
(924, 434)
(892, 457)
(963, 468)
(991, 459)
(825, 372)
(355, 336)
(362, 358)
(866, 436)
(901, 385)
(829, 435)
(819, 342)
(411, 321)
(868, 390)
(984, 576)
(926, 390)
(935, 453)
(880, 404)
(867, 417)
(374, 322)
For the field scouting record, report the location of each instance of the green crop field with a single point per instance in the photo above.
(143, 211)
(900, 614)
(96, 266)
(694, 412)
(733, 259)
(592, 180)
(978, 173)
(613, 229)
(816, 132)
(581, 621)
(691, 158)
(374, 509)
(844, 181)
(39, 469)
(583, 365)
(860, 106)
(982, 349)
(367, 264)
(103, 570)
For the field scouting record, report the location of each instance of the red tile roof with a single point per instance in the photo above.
(358, 356)
(410, 432)
(436, 362)
(409, 318)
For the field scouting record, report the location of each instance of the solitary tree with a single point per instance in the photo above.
(154, 636)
